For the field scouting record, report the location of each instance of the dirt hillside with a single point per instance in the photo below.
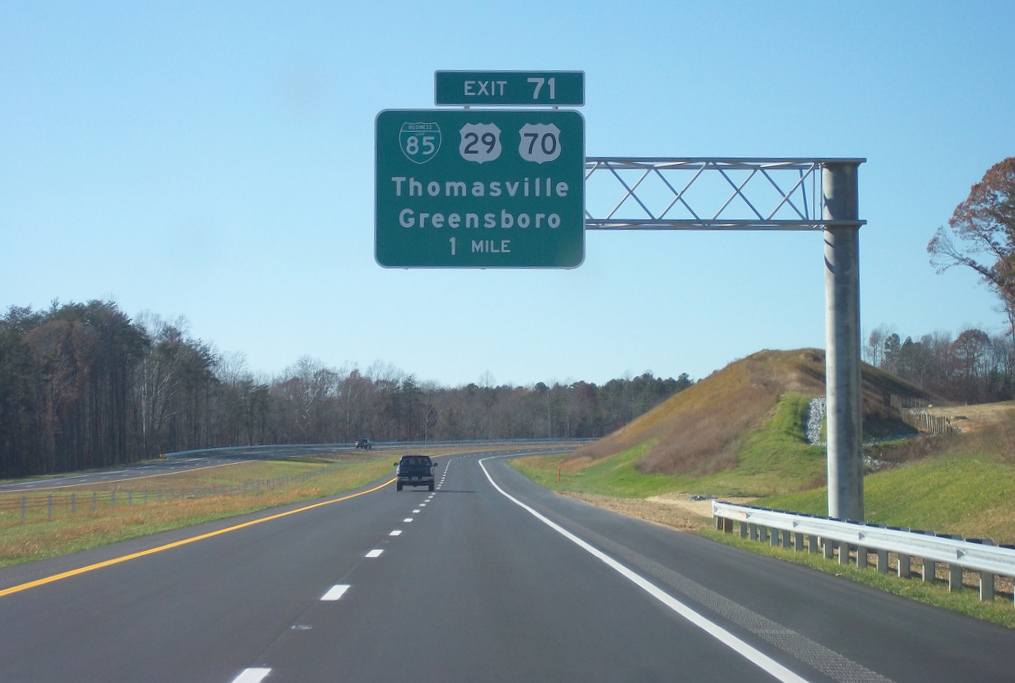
(974, 418)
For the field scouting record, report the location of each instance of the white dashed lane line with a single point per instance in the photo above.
(252, 676)
(335, 592)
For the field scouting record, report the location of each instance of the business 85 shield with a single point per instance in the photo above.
(420, 141)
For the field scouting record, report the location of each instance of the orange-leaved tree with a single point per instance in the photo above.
(981, 235)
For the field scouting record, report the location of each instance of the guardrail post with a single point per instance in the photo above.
(744, 532)
(861, 557)
(986, 586)
(904, 566)
(882, 561)
(753, 531)
(774, 541)
(929, 571)
(829, 548)
(954, 577)
(812, 545)
(844, 553)
(798, 541)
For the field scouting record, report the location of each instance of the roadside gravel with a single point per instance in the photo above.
(675, 510)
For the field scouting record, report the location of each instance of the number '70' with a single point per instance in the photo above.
(547, 142)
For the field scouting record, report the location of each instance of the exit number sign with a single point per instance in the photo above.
(510, 88)
(479, 189)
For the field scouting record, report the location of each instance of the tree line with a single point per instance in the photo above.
(83, 386)
(974, 367)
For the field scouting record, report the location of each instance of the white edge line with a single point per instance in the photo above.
(335, 592)
(252, 676)
(742, 648)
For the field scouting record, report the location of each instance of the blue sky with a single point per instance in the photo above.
(215, 161)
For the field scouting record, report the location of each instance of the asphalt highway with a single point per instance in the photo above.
(489, 578)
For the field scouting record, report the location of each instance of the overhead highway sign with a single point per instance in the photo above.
(479, 189)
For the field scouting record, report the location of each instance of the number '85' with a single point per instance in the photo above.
(413, 143)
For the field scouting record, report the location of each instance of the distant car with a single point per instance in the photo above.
(414, 470)
(364, 443)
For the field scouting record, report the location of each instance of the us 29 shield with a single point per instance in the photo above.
(480, 142)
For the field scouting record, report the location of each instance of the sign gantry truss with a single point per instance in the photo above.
(707, 194)
(763, 194)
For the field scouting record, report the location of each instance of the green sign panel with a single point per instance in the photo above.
(510, 88)
(480, 189)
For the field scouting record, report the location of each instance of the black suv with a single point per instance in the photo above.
(415, 470)
(364, 443)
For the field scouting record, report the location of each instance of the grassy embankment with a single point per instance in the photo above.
(774, 459)
(166, 502)
(958, 484)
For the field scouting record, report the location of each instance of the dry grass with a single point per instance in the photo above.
(39, 536)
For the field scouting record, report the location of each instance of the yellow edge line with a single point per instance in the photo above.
(176, 544)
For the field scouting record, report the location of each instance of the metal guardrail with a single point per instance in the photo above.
(299, 449)
(828, 535)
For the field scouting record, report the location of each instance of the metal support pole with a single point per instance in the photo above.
(791, 210)
(842, 339)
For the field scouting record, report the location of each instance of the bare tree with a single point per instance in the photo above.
(981, 235)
